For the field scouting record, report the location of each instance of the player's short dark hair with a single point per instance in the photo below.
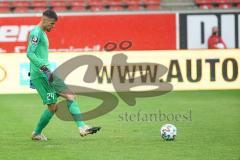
(50, 14)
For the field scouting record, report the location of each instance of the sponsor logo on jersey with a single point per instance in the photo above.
(34, 40)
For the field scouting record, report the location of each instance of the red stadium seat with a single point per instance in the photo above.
(96, 5)
(97, 8)
(206, 6)
(21, 6)
(57, 3)
(76, 4)
(236, 1)
(21, 9)
(225, 6)
(238, 5)
(21, 3)
(39, 3)
(115, 5)
(78, 8)
(134, 7)
(133, 2)
(200, 2)
(95, 2)
(5, 4)
(114, 2)
(5, 7)
(39, 9)
(213, 2)
(60, 8)
(4, 10)
(222, 1)
(151, 2)
(116, 8)
(153, 7)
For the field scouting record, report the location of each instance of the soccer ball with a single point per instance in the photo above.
(168, 132)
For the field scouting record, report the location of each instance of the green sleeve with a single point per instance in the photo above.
(33, 44)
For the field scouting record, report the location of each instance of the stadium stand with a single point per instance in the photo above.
(77, 5)
(23, 6)
(218, 4)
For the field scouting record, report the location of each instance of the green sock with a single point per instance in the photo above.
(44, 119)
(75, 111)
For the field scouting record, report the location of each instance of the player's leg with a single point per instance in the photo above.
(73, 107)
(62, 90)
(75, 110)
(46, 116)
(49, 98)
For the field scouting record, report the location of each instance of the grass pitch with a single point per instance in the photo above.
(208, 124)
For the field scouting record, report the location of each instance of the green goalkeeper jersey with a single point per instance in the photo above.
(37, 51)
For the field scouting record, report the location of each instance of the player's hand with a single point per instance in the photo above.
(30, 82)
(31, 85)
(47, 72)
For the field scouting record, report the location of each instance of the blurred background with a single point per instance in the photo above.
(196, 40)
(201, 35)
(88, 25)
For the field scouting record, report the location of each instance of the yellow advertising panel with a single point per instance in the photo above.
(184, 70)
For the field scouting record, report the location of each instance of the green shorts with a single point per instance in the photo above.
(49, 91)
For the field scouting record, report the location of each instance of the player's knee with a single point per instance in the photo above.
(52, 107)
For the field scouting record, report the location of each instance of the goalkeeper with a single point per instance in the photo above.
(43, 80)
